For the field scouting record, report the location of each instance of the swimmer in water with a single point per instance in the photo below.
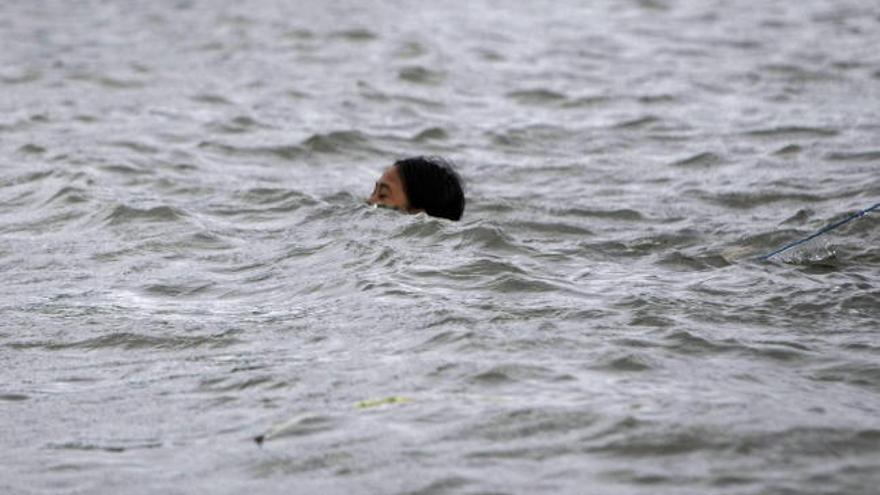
(421, 184)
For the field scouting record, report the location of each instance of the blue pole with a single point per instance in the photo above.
(820, 232)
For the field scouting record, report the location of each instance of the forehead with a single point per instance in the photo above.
(390, 176)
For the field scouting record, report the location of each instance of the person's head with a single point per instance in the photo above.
(421, 183)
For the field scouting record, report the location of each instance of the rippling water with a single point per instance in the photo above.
(187, 262)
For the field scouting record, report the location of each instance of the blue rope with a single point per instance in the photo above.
(820, 232)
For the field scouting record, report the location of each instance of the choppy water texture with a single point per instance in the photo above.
(187, 262)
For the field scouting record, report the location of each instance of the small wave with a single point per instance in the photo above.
(206, 241)
(551, 228)
(426, 229)
(298, 34)
(372, 94)
(138, 147)
(126, 169)
(211, 99)
(629, 362)
(487, 236)
(772, 239)
(236, 125)
(790, 149)
(279, 197)
(607, 249)
(800, 217)
(233, 384)
(178, 290)
(746, 200)
(110, 81)
(679, 260)
(87, 446)
(866, 302)
(797, 74)
(792, 132)
(658, 441)
(444, 484)
(431, 134)
(134, 341)
(636, 477)
(587, 101)
(704, 159)
(657, 5)
(523, 136)
(477, 268)
(355, 35)
(410, 49)
(636, 343)
(446, 338)
(420, 75)
(26, 178)
(663, 241)
(650, 318)
(23, 123)
(689, 343)
(503, 374)
(20, 77)
(538, 96)
(667, 440)
(862, 374)
(859, 156)
(625, 214)
(778, 350)
(337, 142)
(811, 441)
(70, 195)
(31, 149)
(123, 214)
(86, 118)
(286, 152)
(14, 397)
(524, 423)
(658, 98)
(512, 283)
(638, 123)
(492, 377)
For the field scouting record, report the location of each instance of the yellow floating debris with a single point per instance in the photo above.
(387, 401)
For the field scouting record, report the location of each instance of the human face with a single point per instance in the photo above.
(389, 191)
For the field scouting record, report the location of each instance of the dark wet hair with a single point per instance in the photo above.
(431, 184)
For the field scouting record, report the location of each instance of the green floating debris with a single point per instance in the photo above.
(387, 401)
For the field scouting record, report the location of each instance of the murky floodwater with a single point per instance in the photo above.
(187, 262)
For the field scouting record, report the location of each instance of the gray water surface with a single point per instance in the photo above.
(187, 262)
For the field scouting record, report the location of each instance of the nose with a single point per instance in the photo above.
(373, 198)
